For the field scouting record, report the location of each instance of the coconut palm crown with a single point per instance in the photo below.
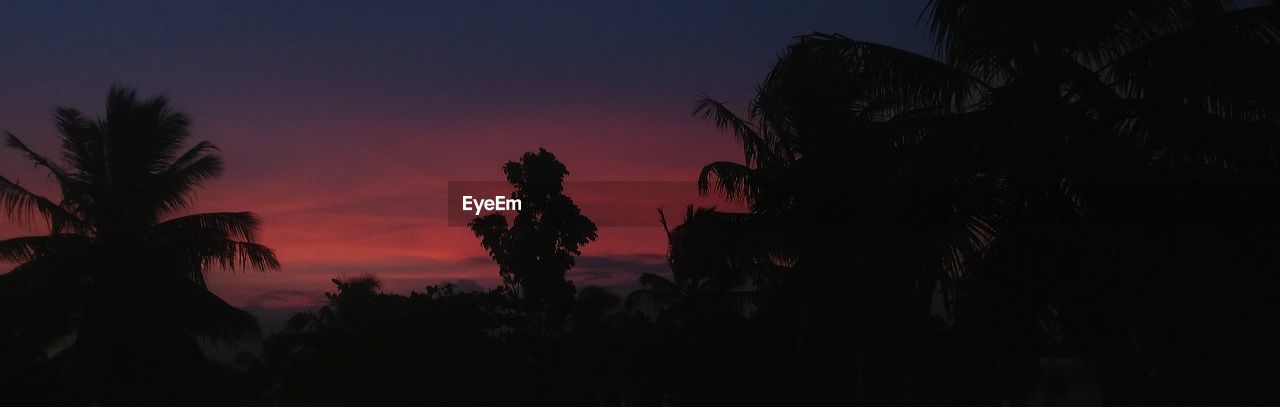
(120, 261)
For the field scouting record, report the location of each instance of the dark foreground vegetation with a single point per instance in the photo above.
(1076, 204)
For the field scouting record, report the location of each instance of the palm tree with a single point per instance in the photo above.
(718, 262)
(1139, 138)
(1008, 171)
(866, 201)
(120, 274)
(354, 296)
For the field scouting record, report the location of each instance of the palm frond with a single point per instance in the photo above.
(68, 182)
(175, 186)
(24, 249)
(233, 255)
(650, 281)
(1225, 66)
(82, 144)
(306, 321)
(58, 172)
(978, 218)
(37, 306)
(196, 152)
(656, 294)
(732, 180)
(228, 225)
(206, 315)
(152, 132)
(209, 252)
(911, 80)
(1183, 135)
(20, 204)
(721, 246)
(754, 145)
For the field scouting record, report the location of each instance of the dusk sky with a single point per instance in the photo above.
(341, 123)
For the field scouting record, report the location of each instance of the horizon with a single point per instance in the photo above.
(345, 152)
(869, 203)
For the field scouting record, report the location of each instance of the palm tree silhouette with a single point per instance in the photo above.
(1058, 149)
(1139, 141)
(121, 271)
(718, 261)
(353, 296)
(866, 202)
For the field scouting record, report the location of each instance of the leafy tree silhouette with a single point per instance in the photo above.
(437, 347)
(121, 273)
(536, 250)
(441, 346)
(536, 340)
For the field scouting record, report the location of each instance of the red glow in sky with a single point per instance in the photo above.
(341, 124)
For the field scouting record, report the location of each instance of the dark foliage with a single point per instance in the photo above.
(106, 308)
(1075, 204)
(539, 246)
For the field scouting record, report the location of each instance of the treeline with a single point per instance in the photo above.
(1076, 204)
(535, 340)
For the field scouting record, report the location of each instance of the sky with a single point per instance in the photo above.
(342, 123)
